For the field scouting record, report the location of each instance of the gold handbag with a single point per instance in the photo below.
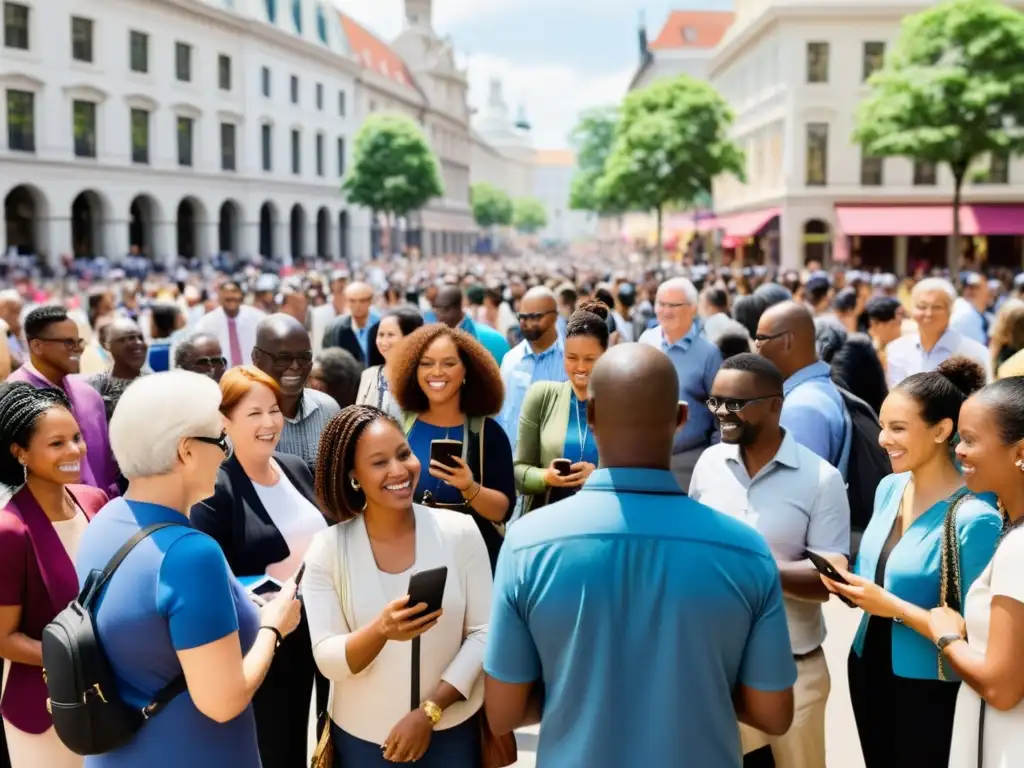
(951, 591)
(323, 755)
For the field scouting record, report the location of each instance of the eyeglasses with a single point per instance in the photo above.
(671, 304)
(71, 345)
(210, 362)
(284, 360)
(734, 404)
(223, 442)
(533, 317)
(764, 338)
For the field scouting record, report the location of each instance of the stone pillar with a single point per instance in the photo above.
(310, 246)
(114, 239)
(248, 238)
(164, 248)
(899, 259)
(54, 236)
(279, 237)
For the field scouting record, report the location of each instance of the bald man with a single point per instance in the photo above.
(540, 356)
(813, 410)
(448, 305)
(686, 601)
(351, 331)
(283, 351)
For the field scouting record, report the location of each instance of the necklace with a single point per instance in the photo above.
(582, 427)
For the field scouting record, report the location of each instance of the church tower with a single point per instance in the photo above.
(418, 13)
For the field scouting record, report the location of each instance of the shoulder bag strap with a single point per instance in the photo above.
(950, 581)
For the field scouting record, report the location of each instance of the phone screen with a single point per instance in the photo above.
(824, 567)
(444, 451)
(563, 467)
(266, 589)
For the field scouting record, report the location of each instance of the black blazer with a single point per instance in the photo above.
(340, 334)
(236, 518)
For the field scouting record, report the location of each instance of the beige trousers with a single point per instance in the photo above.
(803, 745)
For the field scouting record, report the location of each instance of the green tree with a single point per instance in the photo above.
(592, 140)
(491, 206)
(528, 215)
(951, 92)
(671, 142)
(393, 170)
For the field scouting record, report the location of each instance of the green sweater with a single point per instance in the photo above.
(543, 422)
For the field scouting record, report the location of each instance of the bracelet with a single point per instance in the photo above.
(276, 631)
(479, 487)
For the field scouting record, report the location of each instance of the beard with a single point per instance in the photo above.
(532, 334)
(745, 435)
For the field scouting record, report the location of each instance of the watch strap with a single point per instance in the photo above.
(945, 640)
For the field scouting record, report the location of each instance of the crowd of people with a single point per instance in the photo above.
(642, 486)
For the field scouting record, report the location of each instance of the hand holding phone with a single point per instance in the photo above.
(826, 569)
(445, 451)
(412, 615)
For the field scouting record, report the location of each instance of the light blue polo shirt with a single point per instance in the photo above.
(814, 413)
(641, 610)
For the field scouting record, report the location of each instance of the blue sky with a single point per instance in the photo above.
(556, 57)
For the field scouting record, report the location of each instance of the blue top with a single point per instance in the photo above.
(814, 413)
(492, 340)
(579, 438)
(173, 592)
(696, 361)
(913, 571)
(159, 357)
(641, 610)
(420, 437)
(521, 369)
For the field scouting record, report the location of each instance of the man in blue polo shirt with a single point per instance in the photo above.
(639, 624)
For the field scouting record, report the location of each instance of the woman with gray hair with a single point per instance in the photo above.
(173, 610)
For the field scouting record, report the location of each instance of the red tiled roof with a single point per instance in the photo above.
(373, 53)
(693, 29)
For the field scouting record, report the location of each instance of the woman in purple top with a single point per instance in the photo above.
(40, 529)
(55, 349)
(173, 607)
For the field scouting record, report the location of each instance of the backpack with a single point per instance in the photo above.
(88, 715)
(866, 464)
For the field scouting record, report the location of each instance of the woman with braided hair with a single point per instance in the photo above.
(40, 527)
(356, 595)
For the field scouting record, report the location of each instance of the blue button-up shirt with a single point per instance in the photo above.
(696, 361)
(521, 368)
(813, 412)
(906, 356)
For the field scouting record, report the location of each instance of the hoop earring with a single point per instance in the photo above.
(24, 468)
(355, 484)
(1020, 464)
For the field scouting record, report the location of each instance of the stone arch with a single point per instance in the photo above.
(143, 216)
(229, 227)
(297, 231)
(323, 232)
(268, 225)
(343, 235)
(25, 210)
(88, 215)
(190, 221)
(817, 241)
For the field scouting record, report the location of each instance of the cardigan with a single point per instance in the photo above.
(369, 704)
(543, 423)
(36, 574)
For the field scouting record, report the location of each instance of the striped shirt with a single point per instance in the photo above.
(301, 435)
(521, 368)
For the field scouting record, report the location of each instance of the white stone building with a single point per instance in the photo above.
(794, 72)
(178, 127)
(553, 171)
(503, 152)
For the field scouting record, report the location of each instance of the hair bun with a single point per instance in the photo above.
(966, 375)
(595, 307)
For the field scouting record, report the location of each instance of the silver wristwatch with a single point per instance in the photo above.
(945, 640)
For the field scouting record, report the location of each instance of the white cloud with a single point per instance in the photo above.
(386, 17)
(553, 95)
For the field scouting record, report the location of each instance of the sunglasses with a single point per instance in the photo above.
(223, 442)
(734, 404)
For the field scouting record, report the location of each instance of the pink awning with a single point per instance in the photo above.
(747, 224)
(929, 220)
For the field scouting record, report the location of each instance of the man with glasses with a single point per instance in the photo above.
(284, 352)
(696, 361)
(538, 357)
(760, 474)
(55, 353)
(201, 353)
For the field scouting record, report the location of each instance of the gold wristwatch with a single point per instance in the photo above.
(432, 711)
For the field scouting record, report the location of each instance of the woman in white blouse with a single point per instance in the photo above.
(374, 388)
(355, 590)
(264, 515)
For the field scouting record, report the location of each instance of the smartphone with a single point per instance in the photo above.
(562, 466)
(445, 451)
(825, 568)
(428, 587)
(265, 587)
(299, 574)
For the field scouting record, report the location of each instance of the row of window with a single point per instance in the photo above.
(21, 136)
(818, 60)
(872, 168)
(16, 35)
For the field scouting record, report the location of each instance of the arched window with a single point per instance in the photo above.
(321, 24)
(297, 15)
(271, 11)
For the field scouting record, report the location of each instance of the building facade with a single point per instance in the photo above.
(684, 46)
(553, 171)
(502, 152)
(177, 128)
(794, 73)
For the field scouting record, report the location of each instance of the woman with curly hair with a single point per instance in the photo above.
(553, 430)
(448, 387)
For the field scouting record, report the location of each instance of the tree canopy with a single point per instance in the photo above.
(393, 169)
(528, 215)
(592, 140)
(491, 206)
(951, 91)
(670, 143)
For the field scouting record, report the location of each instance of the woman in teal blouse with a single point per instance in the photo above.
(903, 704)
(553, 420)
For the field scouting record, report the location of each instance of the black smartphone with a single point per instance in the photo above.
(825, 568)
(299, 574)
(562, 466)
(428, 587)
(445, 451)
(266, 587)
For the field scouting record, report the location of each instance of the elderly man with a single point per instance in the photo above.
(935, 341)
(351, 332)
(283, 351)
(201, 353)
(696, 361)
(124, 341)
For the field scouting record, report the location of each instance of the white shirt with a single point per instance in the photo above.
(368, 705)
(216, 324)
(1004, 731)
(296, 520)
(905, 356)
(320, 318)
(797, 501)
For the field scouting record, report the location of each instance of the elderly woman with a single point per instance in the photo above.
(935, 341)
(173, 608)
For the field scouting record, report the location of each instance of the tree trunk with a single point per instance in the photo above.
(953, 245)
(658, 252)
